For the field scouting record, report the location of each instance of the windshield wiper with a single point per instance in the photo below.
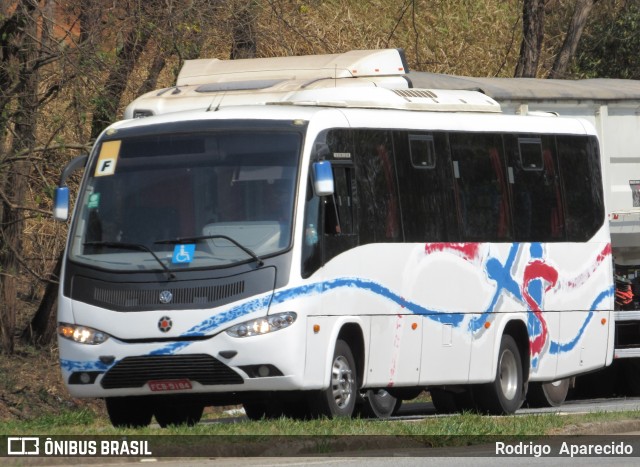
(180, 240)
(134, 246)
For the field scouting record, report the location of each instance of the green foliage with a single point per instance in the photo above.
(610, 47)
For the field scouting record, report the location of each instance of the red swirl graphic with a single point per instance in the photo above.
(538, 270)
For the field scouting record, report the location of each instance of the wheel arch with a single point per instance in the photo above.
(352, 334)
(518, 330)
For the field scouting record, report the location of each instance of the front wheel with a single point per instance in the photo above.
(505, 394)
(177, 411)
(133, 412)
(339, 399)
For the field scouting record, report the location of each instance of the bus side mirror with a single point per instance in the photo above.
(61, 194)
(323, 178)
(61, 203)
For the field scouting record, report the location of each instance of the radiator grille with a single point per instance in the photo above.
(181, 296)
(135, 372)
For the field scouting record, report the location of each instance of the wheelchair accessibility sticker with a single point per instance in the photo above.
(183, 254)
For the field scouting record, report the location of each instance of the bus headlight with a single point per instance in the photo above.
(265, 325)
(82, 334)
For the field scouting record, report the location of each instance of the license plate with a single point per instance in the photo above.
(170, 385)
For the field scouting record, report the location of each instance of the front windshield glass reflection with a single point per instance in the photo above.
(187, 200)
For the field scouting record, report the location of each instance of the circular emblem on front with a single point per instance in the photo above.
(166, 296)
(165, 324)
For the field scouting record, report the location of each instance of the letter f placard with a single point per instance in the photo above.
(107, 159)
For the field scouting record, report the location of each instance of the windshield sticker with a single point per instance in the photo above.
(183, 254)
(342, 155)
(108, 158)
(94, 201)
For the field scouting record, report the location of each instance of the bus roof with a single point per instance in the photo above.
(338, 116)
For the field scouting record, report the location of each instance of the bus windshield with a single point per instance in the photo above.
(187, 200)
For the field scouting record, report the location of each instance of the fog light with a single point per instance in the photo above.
(263, 371)
(84, 377)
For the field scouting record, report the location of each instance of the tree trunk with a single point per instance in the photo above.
(570, 44)
(15, 182)
(244, 39)
(533, 34)
(42, 327)
(106, 109)
(151, 81)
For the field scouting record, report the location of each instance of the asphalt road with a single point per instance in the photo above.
(426, 409)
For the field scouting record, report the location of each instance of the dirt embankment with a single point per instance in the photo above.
(31, 386)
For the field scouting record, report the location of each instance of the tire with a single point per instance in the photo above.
(255, 410)
(443, 400)
(377, 403)
(268, 410)
(290, 404)
(177, 411)
(339, 399)
(548, 394)
(630, 376)
(446, 401)
(505, 394)
(132, 412)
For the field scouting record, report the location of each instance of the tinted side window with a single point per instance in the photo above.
(339, 229)
(581, 178)
(311, 252)
(537, 209)
(339, 206)
(425, 182)
(379, 213)
(481, 186)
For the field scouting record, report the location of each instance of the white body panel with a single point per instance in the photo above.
(419, 327)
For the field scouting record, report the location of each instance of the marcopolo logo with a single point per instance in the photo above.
(165, 324)
(23, 446)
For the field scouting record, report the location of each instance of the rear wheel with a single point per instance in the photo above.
(505, 394)
(134, 412)
(377, 403)
(548, 394)
(339, 399)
